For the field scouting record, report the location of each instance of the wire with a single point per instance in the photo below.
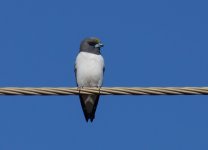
(105, 91)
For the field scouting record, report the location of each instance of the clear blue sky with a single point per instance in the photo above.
(147, 43)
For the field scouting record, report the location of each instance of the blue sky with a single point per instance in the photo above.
(147, 43)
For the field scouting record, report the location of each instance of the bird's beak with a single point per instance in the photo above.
(99, 45)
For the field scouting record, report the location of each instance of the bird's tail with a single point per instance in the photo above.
(89, 105)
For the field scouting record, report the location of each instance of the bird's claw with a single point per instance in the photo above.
(79, 88)
(99, 87)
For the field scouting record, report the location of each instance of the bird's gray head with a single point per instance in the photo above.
(91, 45)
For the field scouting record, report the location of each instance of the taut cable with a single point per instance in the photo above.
(105, 91)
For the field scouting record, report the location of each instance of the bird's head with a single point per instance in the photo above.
(91, 45)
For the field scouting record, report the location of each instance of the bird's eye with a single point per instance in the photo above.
(92, 43)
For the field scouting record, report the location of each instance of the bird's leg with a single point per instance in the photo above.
(79, 88)
(99, 87)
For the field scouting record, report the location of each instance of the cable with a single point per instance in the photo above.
(105, 91)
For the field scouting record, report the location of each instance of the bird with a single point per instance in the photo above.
(89, 71)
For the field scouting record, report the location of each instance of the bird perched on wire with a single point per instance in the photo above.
(89, 70)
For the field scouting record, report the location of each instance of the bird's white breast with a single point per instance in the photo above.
(89, 69)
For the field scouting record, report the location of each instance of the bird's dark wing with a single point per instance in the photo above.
(103, 69)
(75, 72)
(96, 99)
(89, 105)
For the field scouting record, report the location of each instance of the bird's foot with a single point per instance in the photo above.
(99, 87)
(79, 88)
